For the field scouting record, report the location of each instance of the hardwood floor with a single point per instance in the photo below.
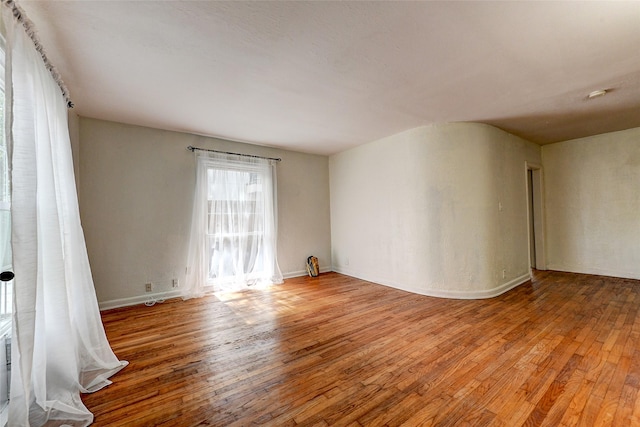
(337, 351)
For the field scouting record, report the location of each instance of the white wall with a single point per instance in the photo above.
(421, 210)
(593, 204)
(136, 188)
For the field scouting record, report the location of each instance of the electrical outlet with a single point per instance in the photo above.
(148, 287)
(504, 274)
(175, 283)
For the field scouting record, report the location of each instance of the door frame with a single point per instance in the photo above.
(536, 195)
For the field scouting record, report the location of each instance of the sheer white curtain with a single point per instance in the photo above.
(59, 347)
(234, 224)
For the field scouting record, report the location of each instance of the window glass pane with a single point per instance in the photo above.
(235, 223)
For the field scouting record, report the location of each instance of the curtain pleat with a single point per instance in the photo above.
(59, 347)
(233, 239)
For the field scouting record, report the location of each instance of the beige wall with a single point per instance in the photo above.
(136, 188)
(593, 204)
(439, 210)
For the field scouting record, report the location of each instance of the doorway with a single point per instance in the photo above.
(535, 218)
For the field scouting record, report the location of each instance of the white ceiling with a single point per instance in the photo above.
(321, 77)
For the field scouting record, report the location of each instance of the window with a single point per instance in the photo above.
(233, 232)
(236, 225)
(235, 211)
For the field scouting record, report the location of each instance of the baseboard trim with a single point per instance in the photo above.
(299, 273)
(489, 293)
(594, 271)
(453, 294)
(140, 299)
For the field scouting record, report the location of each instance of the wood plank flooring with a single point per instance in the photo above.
(562, 350)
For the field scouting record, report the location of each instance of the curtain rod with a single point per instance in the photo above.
(30, 30)
(277, 159)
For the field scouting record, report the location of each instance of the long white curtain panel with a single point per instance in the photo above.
(234, 224)
(59, 347)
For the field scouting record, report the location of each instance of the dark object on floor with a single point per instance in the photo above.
(312, 266)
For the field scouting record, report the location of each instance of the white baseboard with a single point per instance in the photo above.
(438, 293)
(299, 273)
(489, 293)
(292, 274)
(593, 271)
(140, 299)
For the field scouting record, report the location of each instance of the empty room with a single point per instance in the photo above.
(320, 213)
